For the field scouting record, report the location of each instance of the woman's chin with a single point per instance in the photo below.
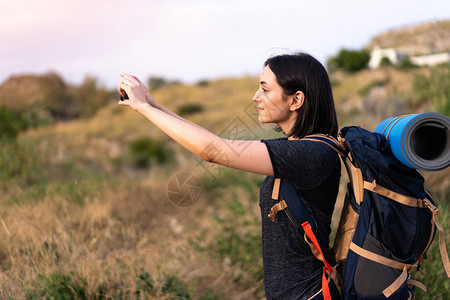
(262, 119)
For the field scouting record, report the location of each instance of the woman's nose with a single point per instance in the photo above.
(256, 96)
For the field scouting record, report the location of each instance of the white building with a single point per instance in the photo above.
(377, 55)
(431, 59)
(395, 56)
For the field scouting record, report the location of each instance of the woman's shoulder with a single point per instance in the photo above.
(301, 159)
(314, 148)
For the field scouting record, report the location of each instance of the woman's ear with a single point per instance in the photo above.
(297, 100)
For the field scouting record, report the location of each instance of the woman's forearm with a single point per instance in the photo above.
(170, 113)
(189, 135)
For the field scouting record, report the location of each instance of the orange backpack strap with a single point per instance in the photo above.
(337, 145)
(317, 251)
(442, 247)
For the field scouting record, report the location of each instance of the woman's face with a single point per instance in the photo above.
(273, 103)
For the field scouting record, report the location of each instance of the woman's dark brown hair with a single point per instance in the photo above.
(302, 72)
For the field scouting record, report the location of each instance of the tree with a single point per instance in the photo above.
(434, 88)
(406, 64)
(89, 97)
(349, 60)
(155, 83)
(386, 62)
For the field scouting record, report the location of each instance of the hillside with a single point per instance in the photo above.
(416, 39)
(85, 201)
(45, 98)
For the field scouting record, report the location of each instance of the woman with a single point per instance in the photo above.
(295, 94)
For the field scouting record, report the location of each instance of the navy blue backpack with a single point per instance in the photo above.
(388, 221)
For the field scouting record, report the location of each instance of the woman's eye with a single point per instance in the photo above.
(264, 90)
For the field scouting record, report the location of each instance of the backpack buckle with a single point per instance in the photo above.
(431, 206)
(276, 208)
(380, 190)
(342, 142)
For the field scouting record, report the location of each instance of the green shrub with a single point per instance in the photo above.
(155, 83)
(145, 151)
(55, 95)
(386, 62)
(434, 88)
(22, 163)
(177, 288)
(210, 295)
(189, 109)
(349, 60)
(27, 164)
(144, 284)
(239, 241)
(203, 82)
(11, 123)
(366, 89)
(406, 64)
(57, 286)
(87, 98)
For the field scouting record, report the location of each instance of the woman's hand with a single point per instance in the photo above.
(137, 92)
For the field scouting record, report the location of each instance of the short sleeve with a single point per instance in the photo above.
(306, 163)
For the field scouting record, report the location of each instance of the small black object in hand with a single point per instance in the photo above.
(125, 96)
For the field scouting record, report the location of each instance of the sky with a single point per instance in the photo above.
(188, 40)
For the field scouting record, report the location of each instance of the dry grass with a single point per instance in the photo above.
(74, 218)
(110, 240)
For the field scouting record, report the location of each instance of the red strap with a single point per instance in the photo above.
(325, 289)
(310, 234)
(312, 237)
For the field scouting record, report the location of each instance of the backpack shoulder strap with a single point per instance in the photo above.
(290, 201)
(337, 145)
(297, 210)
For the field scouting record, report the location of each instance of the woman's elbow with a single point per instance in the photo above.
(213, 154)
(207, 157)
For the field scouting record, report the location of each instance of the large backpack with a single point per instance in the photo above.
(387, 223)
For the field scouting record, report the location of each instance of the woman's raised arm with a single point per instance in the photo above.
(250, 156)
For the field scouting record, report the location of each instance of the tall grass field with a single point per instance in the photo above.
(87, 205)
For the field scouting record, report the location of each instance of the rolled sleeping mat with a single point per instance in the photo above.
(419, 141)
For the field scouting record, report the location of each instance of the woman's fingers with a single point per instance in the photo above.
(128, 81)
(124, 102)
(130, 77)
(135, 90)
(122, 83)
(134, 78)
(119, 87)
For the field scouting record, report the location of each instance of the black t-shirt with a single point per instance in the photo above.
(290, 269)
